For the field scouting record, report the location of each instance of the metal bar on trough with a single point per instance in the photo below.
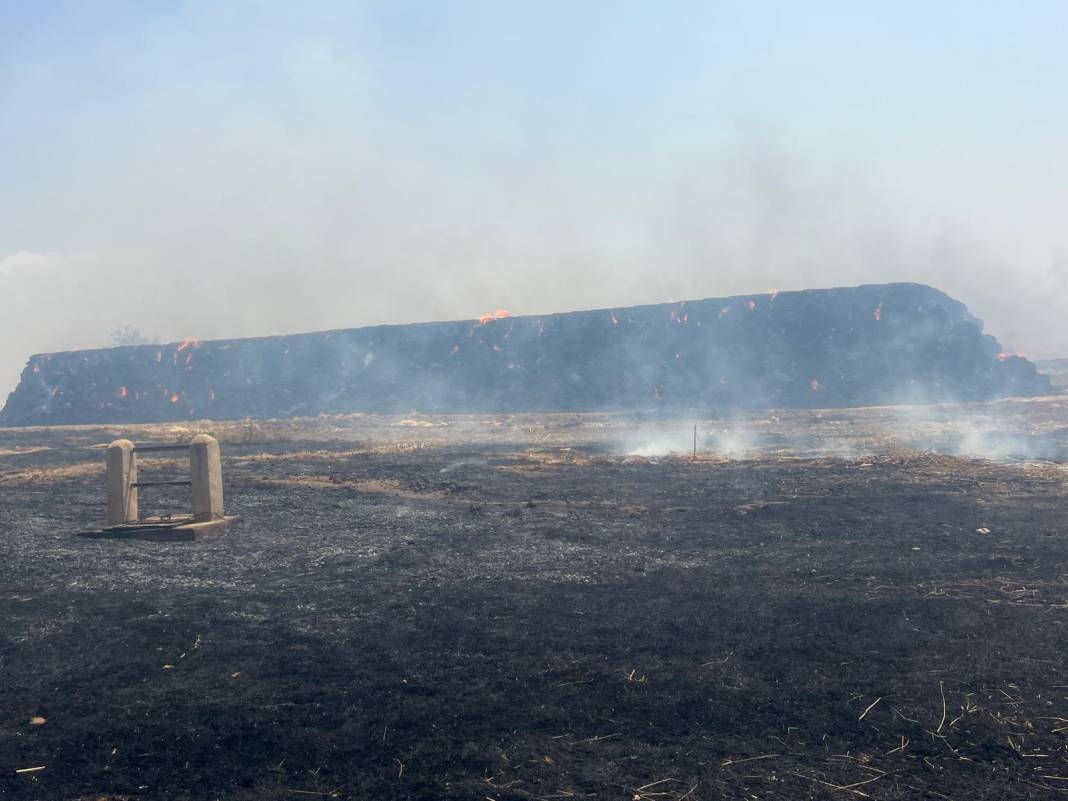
(162, 484)
(149, 448)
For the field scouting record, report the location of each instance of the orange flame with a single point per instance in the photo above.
(122, 392)
(774, 294)
(188, 342)
(878, 314)
(174, 398)
(500, 314)
(1002, 357)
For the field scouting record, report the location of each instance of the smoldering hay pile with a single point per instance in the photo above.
(867, 345)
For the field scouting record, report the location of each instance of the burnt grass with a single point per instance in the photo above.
(528, 620)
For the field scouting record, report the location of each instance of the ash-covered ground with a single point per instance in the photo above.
(823, 604)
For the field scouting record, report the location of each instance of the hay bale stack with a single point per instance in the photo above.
(867, 345)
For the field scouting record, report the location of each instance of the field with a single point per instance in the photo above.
(821, 605)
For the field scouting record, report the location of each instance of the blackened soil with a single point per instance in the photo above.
(522, 622)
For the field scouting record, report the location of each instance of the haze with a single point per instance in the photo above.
(270, 167)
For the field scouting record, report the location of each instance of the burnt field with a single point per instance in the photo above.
(824, 604)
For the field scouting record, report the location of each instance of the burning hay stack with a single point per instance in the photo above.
(866, 345)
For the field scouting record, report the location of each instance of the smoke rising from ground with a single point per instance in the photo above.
(1003, 431)
(255, 170)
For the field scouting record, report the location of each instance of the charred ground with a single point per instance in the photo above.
(512, 608)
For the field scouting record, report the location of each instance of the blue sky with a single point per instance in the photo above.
(212, 170)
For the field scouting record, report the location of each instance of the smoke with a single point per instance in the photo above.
(250, 170)
(656, 444)
(989, 441)
(1003, 431)
(724, 439)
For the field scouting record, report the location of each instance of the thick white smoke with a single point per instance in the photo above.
(240, 170)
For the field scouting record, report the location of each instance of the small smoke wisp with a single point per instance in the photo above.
(985, 441)
(732, 442)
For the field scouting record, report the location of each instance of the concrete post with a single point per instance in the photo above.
(122, 474)
(205, 467)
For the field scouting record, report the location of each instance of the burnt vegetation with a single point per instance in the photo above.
(512, 608)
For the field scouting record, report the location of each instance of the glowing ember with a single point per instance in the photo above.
(1002, 357)
(500, 314)
(751, 304)
(122, 392)
(174, 398)
(37, 368)
(188, 342)
(774, 294)
(815, 384)
(878, 314)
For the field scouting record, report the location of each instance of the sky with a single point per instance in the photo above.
(250, 168)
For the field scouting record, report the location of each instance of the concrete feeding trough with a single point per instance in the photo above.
(205, 481)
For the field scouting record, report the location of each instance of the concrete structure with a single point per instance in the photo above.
(205, 467)
(122, 483)
(205, 483)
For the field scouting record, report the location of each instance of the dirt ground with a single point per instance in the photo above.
(822, 605)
